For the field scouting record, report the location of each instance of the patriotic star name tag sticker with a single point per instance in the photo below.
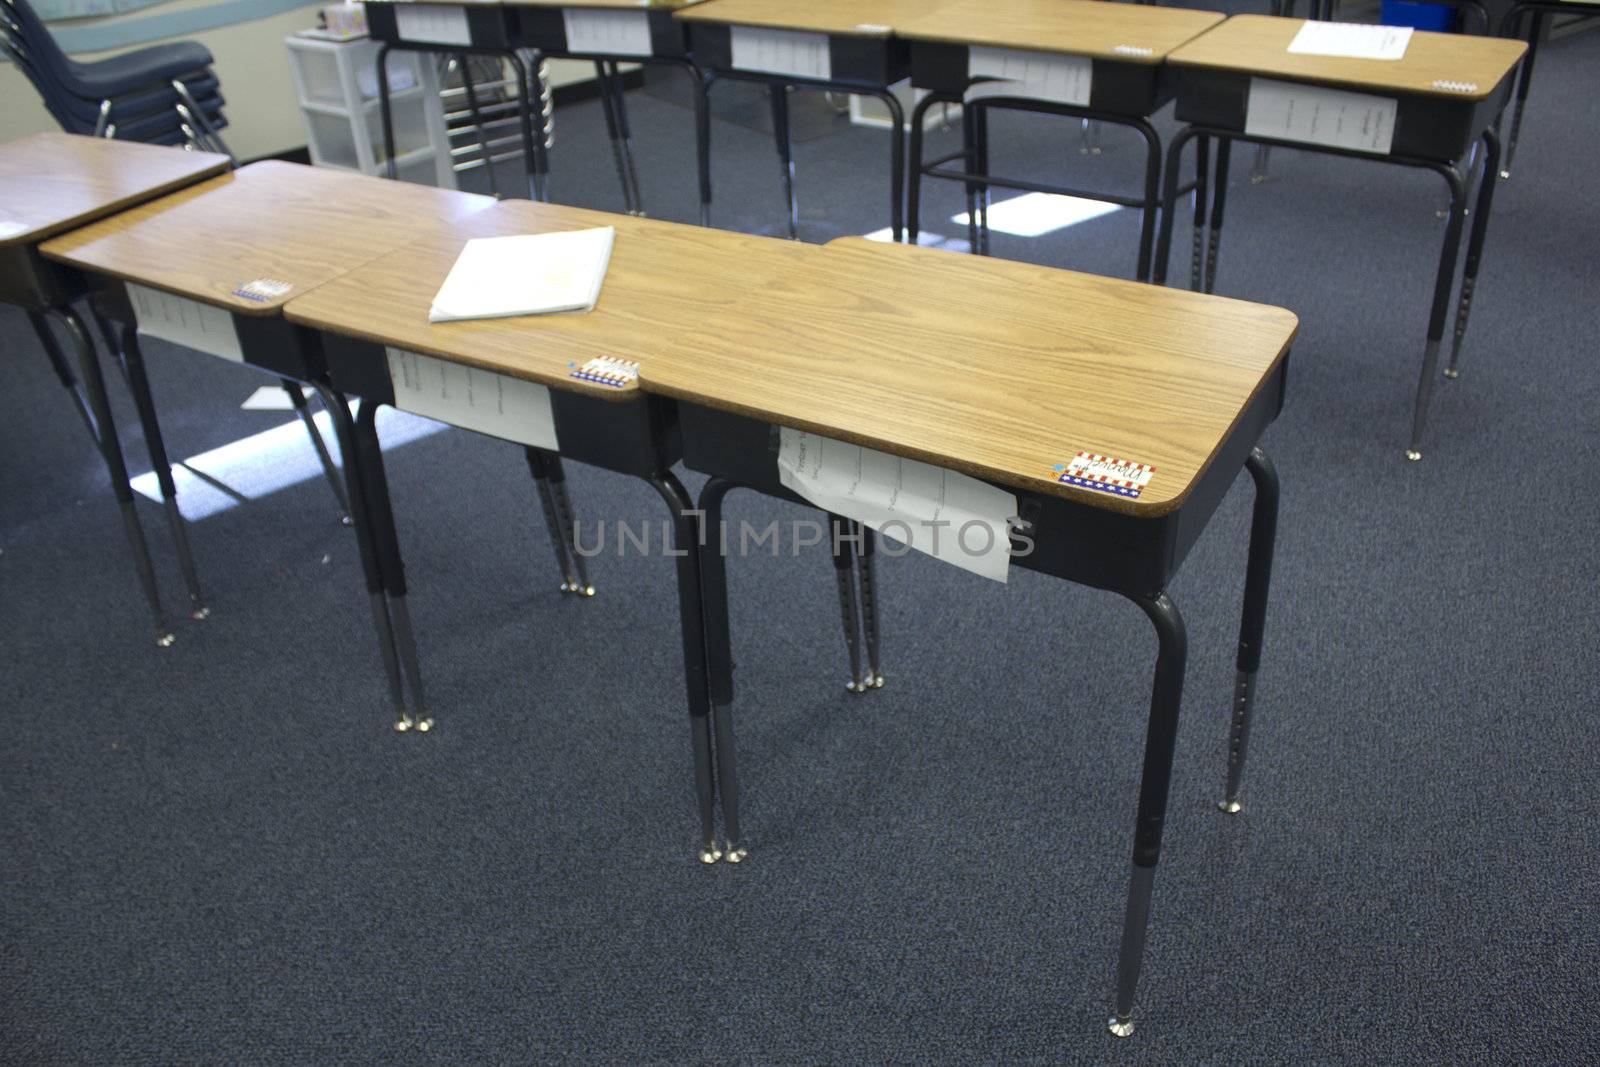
(1105, 474)
(262, 290)
(603, 370)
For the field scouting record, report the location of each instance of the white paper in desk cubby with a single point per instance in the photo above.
(799, 55)
(1030, 75)
(433, 23)
(185, 322)
(1316, 115)
(615, 33)
(903, 499)
(1351, 40)
(511, 409)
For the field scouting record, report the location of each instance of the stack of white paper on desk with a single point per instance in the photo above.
(1351, 40)
(533, 274)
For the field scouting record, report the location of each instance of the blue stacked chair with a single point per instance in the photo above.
(166, 94)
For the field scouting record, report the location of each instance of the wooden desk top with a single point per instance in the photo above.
(854, 18)
(1072, 27)
(51, 182)
(1000, 370)
(668, 284)
(302, 226)
(1259, 44)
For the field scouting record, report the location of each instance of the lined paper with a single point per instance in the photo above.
(511, 409)
(1351, 40)
(617, 33)
(799, 55)
(1030, 75)
(947, 515)
(433, 23)
(1313, 114)
(185, 322)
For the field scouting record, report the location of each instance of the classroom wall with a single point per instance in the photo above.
(251, 61)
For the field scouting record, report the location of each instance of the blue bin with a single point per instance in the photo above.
(1438, 17)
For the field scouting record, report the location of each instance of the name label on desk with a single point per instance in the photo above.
(791, 52)
(1313, 114)
(1029, 75)
(949, 516)
(511, 409)
(185, 322)
(615, 33)
(433, 23)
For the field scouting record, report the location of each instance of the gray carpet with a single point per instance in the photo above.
(221, 853)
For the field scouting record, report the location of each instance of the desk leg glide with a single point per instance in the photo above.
(1253, 622)
(111, 453)
(127, 345)
(1480, 226)
(1154, 783)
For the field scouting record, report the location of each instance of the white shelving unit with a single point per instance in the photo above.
(337, 82)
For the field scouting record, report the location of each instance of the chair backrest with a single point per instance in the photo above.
(38, 43)
(15, 42)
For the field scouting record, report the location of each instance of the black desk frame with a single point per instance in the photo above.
(1431, 130)
(871, 65)
(492, 34)
(1123, 94)
(1535, 10)
(46, 290)
(1093, 546)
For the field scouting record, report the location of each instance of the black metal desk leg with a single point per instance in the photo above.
(1169, 195)
(608, 106)
(919, 115)
(1480, 226)
(778, 96)
(361, 519)
(566, 523)
(719, 659)
(63, 369)
(969, 148)
(1202, 174)
(1525, 81)
(840, 535)
(298, 399)
(980, 140)
(897, 163)
(702, 143)
(1218, 197)
(533, 150)
(552, 519)
(386, 111)
(1442, 285)
(620, 98)
(139, 386)
(1152, 197)
(1154, 781)
(111, 452)
(386, 546)
(484, 151)
(689, 547)
(869, 604)
(1253, 623)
